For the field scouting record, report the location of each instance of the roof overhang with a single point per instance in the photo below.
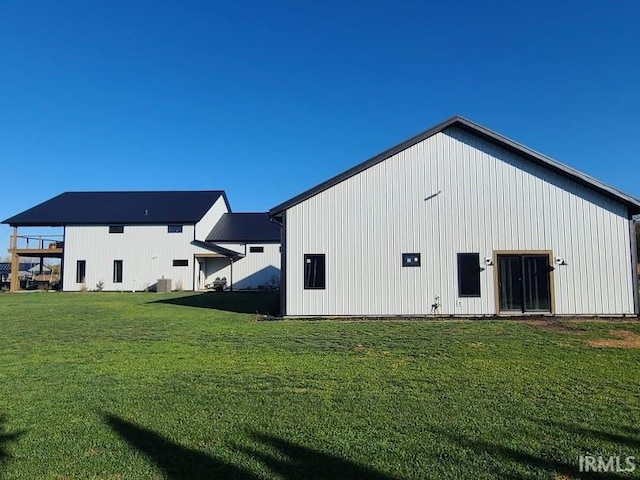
(212, 247)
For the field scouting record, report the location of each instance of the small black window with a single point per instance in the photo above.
(469, 274)
(81, 271)
(314, 272)
(256, 249)
(117, 271)
(181, 263)
(174, 228)
(410, 259)
(116, 228)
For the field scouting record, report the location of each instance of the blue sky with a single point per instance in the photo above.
(266, 99)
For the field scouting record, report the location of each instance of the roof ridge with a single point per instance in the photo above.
(121, 207)
(480, 131)
(141, 191)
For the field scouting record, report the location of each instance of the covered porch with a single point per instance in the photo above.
(214, 267)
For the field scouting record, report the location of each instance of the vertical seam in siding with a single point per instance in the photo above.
(634, 265)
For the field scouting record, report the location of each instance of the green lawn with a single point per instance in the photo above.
(125, 386)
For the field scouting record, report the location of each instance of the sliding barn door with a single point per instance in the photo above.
(524, 283)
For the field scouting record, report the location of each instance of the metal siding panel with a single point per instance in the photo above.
(491, 200)
(581, 245)
(216, 267)
(626, 272)
(613, 241)
(207, 222)
(634, 266)
(283, 265)
(257, 270)
(147, 253)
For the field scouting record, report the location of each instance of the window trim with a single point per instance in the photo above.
(308, 258)
(476, 260)
(118, 278)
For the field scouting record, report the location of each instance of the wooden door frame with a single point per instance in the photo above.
(552, 286)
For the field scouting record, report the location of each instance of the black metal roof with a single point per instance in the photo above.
(5, 267)
(127, 208)
(459, 122)
(217, 249)
(245, 228)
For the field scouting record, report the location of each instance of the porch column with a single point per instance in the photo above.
(15, 262)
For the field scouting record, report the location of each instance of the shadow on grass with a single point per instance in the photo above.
(6, 438)
(526, 459)
(265, 303)
(175, 461)
(179, 463)
(304, 462)
(630, 441)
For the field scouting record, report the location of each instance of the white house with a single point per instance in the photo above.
(127, 241)
(252, 244)
(459, 220)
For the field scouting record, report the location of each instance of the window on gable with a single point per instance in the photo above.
(174, 228)
(116, 228)
(469, 274)
(314, 272)
(117, 271)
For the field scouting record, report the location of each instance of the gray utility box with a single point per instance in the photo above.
(164, 285)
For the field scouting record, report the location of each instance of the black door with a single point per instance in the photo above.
(523, 283)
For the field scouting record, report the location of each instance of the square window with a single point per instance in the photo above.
(410, 259)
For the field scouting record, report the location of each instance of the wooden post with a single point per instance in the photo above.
(15, 262)
(14, 239)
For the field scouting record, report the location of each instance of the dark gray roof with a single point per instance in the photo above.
(484, 133)
(5, 267)
(245, 228)
(132, 208)
(217, 249)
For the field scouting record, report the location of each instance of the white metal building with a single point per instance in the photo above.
(459, 220)
(127, 241)
(251, 242)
